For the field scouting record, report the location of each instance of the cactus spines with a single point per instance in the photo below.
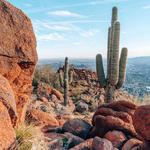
(122, 67)
(100, 70)
(66, 86)
(115, 69)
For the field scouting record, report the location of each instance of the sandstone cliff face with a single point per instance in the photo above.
(18, 55)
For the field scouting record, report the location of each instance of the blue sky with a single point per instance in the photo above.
(78, 28)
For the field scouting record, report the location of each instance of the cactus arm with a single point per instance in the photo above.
(66, 86)
(100, 70)
(115, 54)
(122, 67)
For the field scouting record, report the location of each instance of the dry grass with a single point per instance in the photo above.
(29, 137)
(144, 101)
(24, 137)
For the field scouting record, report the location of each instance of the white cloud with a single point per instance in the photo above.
(146, 7)
(76, 43)
(64, 13)
(98, 2)
(89, 33)
(50, 37)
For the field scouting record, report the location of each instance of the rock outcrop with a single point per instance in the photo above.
(7, 133)
(18, 54)
(141, 121)
(114, 116)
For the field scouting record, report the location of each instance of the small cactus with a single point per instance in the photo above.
(116, 70)
(65, 78)
(66, 85)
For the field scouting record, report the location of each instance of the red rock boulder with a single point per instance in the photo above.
(43, 118)
(18, 54)
(7, 98)
(7, 133)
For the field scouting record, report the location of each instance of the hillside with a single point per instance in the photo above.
(138, 69)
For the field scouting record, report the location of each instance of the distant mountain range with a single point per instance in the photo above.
(138, 72)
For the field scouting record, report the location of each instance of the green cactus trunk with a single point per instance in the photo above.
(109, 93)
(66, 86)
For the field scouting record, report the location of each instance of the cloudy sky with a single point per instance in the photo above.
(78, 28)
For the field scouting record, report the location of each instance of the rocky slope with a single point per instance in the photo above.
(88, 123)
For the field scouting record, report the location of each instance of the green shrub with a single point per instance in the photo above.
(47, 75)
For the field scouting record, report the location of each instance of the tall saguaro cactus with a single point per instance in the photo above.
(116, 70)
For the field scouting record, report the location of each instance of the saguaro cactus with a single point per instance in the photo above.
(65, 77)
(66, 86)
(116, 70)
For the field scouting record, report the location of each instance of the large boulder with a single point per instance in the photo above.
(43, 118)
(77, 127)
(18, 54)
(141, 121)
(7, 133)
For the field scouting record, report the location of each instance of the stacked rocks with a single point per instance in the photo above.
(114, 122)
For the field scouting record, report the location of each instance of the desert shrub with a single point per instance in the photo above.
(47, 75)
(24, 137)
